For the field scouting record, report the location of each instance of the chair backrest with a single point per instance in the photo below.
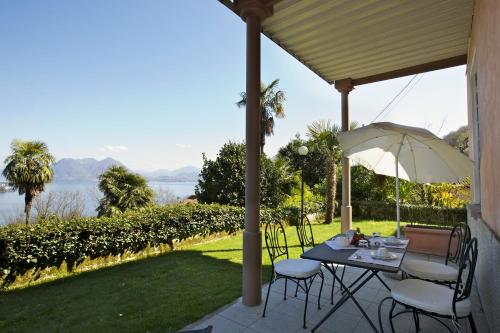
(467, 267)
(276, 241)
(304, 231)
(459, 238)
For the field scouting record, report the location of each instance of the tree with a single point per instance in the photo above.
(223, 180)
(324, 137)
(458, 139)
(271, 105)
(123, 190)
(28, 168)
(312, 165)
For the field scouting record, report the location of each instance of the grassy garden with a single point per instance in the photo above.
(156, 294)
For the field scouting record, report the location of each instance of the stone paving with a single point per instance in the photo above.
(283, 316)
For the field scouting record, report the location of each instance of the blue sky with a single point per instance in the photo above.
(153, 83)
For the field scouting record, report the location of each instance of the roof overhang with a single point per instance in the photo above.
(371, 40)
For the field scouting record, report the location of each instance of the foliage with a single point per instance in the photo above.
(323, 135)
(312, 165)
(438, 195)
(63, 204)
(223, 180)
(271, 105)
(181, 287)
(54, 241)
(164, 196)
(411, 213)
(313, 203)
(123, 190)
(28, 168)
(458, 139)
(366, 185)
(449, 195)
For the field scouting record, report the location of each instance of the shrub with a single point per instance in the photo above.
(416, 214)
(223, 179)
(52, 242)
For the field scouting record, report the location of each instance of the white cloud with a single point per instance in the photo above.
(115, 148)
(182, 145)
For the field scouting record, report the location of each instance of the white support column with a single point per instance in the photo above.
(252, 12)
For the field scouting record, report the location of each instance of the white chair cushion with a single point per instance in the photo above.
(429, 297)
(297, 268)
(429, 270)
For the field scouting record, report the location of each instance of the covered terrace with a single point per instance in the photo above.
(348, 44)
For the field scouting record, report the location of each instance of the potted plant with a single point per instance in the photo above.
(427, 239)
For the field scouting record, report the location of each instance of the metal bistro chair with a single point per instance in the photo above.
(301, 271)
(306, 239)
(446, 273)
(435, 300)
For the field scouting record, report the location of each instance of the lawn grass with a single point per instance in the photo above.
(159, 294)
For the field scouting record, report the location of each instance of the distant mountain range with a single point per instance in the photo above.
(81, 169)
(71, 169)
(184, 174)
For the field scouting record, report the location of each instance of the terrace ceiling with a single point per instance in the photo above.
(371, 40)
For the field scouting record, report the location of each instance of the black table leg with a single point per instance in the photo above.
(357, 280)
(349, 294)
(383, 282)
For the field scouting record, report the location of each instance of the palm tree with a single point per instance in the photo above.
(324, 137)
(271, 105)
(122, 190)
(28, 168)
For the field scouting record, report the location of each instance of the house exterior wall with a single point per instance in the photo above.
(484, 215)
(484, 50)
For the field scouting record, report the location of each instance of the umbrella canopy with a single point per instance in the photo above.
(405, 152)
(422, 157)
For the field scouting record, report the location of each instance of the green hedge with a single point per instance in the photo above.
(52, 242)
(415, 214)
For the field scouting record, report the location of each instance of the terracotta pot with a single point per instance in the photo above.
(427, 240)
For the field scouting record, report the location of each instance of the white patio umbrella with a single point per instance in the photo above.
(405, 152)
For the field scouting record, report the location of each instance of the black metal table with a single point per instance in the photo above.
(327, 256)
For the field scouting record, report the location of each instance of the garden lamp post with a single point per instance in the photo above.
(302, 152)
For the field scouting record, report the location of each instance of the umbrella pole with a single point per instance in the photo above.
(397, 186)
(397, 198)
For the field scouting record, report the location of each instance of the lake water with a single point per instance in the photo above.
(12, 204)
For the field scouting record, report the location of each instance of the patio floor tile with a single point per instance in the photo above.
(221, 325)
(277, 322)
(286, 316)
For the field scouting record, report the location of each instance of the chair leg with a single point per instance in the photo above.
(320, 290)
(284, 295)
(342, 277)
(296, 289)
(333, 284)
(307, 301)
(390, 315)
(416, 319)
(472, 324)
(267, 296)
(379, 313)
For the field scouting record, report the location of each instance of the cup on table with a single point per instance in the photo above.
(363, 243)
(341, 241)
(382, 252)
(392, 240)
